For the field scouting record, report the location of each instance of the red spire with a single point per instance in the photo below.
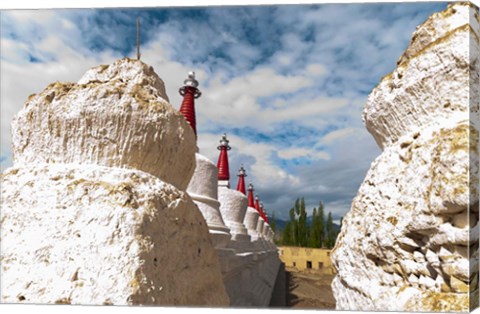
(250, 195)
(241, 180)
(222, 165)
(189, 92)
(265, 216)
(257, 206)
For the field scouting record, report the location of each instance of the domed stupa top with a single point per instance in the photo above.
(117, 115)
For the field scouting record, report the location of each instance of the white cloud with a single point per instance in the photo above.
(297, 152)
(14, 51)
(262, 170)
(316, 69)
(340, 134)
(311, 108)
(236, 101)
(41, 17)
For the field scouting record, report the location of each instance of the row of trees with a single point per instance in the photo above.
(316, 234)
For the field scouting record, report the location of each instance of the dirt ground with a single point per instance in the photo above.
(309, 289)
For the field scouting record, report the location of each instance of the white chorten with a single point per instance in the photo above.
(203, 187)
(251, 216)
(233, 204)
(261, 221)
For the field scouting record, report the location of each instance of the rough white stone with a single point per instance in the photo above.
(85, 234)
(116, 115)
(418, 192)
(203, 189)
(462, 220)
(423, 83)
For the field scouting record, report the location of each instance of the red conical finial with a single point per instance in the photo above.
(264, 214)
(250, 195)
(257, 205)
(241, 180)
(222, 165)
(189, 92)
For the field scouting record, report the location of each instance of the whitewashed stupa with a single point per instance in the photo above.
(203, 187)
(251, 216)
(233, 203)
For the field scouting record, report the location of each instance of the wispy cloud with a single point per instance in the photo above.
(295, 152)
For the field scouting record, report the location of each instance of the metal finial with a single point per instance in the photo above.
(224, 142)
(241, 172)
(250, 186)
(261, 205)
(256, 197)
(190, 81)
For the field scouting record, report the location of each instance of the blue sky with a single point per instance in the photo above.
(286, 83)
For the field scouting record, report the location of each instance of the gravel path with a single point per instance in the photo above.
(309, 289)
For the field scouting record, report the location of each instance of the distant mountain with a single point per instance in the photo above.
(280, 224)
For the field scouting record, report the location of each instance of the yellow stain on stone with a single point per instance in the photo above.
(134, 284)
(440, 302)
(393, 220)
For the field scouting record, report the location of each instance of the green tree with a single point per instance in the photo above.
(272, 221)
(302, 224)
(321, 226)
(330, 232)
(294, 228)
(313, 234)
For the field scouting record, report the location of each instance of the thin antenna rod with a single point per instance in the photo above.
(138, 38)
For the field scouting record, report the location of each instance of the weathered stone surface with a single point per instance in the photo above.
(85, 234)
(116, 115)
(432, 81)
(403, 245)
